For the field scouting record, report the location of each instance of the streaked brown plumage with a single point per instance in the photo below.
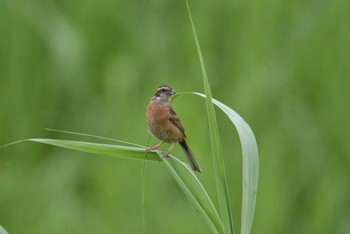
(164, 124)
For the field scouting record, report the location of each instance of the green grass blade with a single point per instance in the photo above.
(220, 175)
(181, 172)
(195, 192)
(250, 163)
(2, 230)
(102, 149)
(93, 136)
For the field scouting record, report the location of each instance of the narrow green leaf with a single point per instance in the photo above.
(2, 230)
(250, 163)
(218, 161)
(94, 136)
(195, 192)
(102, 149)
(181, 172)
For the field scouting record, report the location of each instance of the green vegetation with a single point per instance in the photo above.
(92, 66)
(181, 172)
(2, 230)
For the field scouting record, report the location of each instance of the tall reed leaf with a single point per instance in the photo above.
(2, 230)
(249, 154)
(219, 167)
(181, 172)
(250, 163)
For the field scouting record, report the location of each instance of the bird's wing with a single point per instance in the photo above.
(176, 121)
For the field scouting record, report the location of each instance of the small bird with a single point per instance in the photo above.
(164, 124)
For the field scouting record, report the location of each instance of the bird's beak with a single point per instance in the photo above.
(172, 92)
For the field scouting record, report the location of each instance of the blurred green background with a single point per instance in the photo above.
(92, 66)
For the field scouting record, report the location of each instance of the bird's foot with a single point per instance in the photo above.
(150, 149)
(164, 155)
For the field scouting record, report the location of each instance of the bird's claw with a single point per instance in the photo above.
(164, 155)
(148, 150)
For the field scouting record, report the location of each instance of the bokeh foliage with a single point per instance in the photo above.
(91, 66)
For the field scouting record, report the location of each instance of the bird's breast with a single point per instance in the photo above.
(157, 113)
(159, 124)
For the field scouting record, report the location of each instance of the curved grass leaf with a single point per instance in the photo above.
(181, 172)
(249, 154)
(102, 149)
(250, 163)
(2, 230)
(94, 136)
(218, 159)
(195, 192)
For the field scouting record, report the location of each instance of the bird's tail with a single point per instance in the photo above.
(195, 166)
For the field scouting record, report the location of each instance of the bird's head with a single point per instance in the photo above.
(164, 94)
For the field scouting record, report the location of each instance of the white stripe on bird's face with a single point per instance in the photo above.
(164, 94)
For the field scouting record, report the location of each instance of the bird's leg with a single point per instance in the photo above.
(155, 147)
(165, 154)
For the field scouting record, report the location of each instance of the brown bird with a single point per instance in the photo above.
(164, 124)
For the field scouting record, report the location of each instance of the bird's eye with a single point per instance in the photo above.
(162, 90)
